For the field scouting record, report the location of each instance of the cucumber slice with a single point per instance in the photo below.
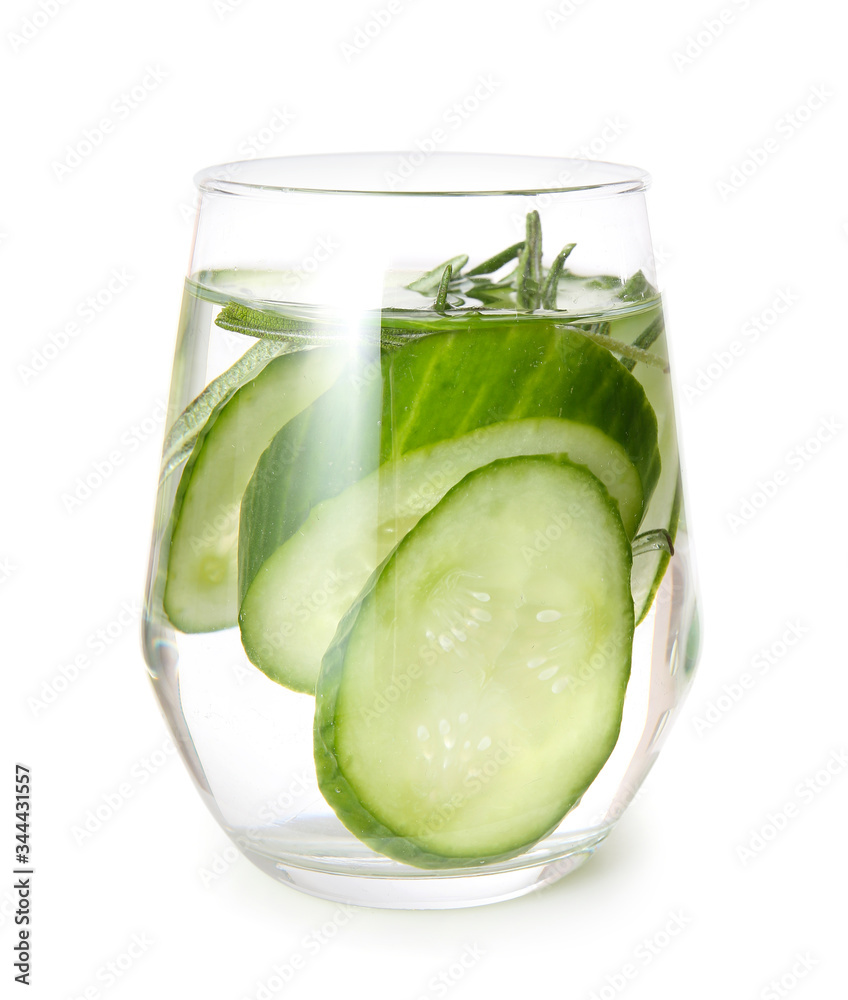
(444, 405)
(201, 585)
(302, 592)
(183, 434)
(476, 690)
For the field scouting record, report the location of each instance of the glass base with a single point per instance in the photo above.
(420, 891)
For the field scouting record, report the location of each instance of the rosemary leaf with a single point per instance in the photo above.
(522, 277)
(429, 282)
(391, 337)
(645, 339)
(549, 292)
(627, 351)
(281, 334)
(441, 303)
(636, 288)
(495, 295)
(496, 262)
(528, 293)
(269, 326)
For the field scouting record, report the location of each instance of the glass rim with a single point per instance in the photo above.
(294, 175)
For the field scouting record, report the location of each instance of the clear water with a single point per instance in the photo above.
(248, 740)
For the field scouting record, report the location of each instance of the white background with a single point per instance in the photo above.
(645, 83)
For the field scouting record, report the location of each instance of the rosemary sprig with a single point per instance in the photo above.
(528, 287)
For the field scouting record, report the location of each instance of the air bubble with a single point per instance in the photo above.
(537, 661)
(444, 727)
(481, 615)
(560, 685)
(548, 616)
(423, 733)
(445, 642)
(480, 596)
(484, 744)
(463, 716)
(547, 674)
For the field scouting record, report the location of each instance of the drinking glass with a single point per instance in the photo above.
(420, 607)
